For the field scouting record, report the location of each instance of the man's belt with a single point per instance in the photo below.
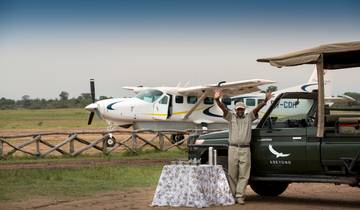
(240, 145)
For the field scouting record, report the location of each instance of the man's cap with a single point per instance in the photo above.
(239, 104)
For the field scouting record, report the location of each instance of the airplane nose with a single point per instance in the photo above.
(91, 107)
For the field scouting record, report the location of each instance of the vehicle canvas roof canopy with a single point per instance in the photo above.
(335, 56)
(330, 56)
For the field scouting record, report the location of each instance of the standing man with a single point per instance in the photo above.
(239, 156)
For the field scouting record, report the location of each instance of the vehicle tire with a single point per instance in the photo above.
(268, 188)
(110, 142)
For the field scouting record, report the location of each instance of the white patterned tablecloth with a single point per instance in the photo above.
(192, 186)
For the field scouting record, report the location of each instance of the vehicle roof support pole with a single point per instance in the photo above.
(321, 106)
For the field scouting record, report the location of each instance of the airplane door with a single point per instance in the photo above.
(161, 108)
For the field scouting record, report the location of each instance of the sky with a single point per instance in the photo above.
(49, 46)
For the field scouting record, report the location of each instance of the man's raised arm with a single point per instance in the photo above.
(261, 105)
(222, 106)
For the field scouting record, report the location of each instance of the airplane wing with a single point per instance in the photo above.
(342, 99)
(228, 88)
(136, 89)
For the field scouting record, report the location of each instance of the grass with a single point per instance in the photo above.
(47, 119)
(145, 154)
(23, 184)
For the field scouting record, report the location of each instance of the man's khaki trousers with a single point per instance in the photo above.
(239, 164)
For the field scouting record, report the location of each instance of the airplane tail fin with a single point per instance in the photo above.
(328, 81)
(313, 77)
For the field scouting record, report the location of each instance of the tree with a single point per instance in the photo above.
(26, 101)
(7, 103)
(272, 88)
(86, 95)
(64, 95)
(103, 97)
(25, 97)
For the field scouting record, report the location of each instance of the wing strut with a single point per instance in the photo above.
(195, 106)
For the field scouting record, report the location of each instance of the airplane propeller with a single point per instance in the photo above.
(92, 89)
(91, 116)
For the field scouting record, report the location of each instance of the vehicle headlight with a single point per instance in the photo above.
(199, 141)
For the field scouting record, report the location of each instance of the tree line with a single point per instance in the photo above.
(26, 102)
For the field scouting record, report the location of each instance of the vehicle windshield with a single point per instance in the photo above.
(149, 95)
(291, 112)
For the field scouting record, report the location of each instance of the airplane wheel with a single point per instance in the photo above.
(110, 142)
(176, 138)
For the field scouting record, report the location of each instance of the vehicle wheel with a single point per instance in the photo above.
(269, 188)
(110, 142)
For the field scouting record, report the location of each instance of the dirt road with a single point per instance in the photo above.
(297, 196)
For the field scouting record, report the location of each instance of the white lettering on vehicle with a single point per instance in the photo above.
(280, 162)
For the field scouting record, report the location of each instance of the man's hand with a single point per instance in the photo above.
(217, 93)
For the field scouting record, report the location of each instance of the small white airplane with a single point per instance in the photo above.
(288, 107)
(173, 108)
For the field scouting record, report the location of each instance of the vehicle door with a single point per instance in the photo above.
(279, 141)
(161, 108)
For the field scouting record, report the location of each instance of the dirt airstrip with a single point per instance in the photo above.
(297, 196)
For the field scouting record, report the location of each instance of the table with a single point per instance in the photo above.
(192, 186)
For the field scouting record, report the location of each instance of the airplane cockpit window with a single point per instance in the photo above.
(149, 95)
(164, 100)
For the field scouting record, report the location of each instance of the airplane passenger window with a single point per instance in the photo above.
(226, 100)
(179, 99)
(260, 101)
(209, 100)
(149, 95)
(250, 102)
(238, 99)
(191, 99)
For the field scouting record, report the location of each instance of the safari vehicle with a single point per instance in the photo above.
(299, 139)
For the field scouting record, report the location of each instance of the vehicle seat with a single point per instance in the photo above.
(348, 125)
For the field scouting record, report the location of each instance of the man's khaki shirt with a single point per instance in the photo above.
(240, 128)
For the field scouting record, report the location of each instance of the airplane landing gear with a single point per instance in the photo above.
(176, 138)
(110, 142)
